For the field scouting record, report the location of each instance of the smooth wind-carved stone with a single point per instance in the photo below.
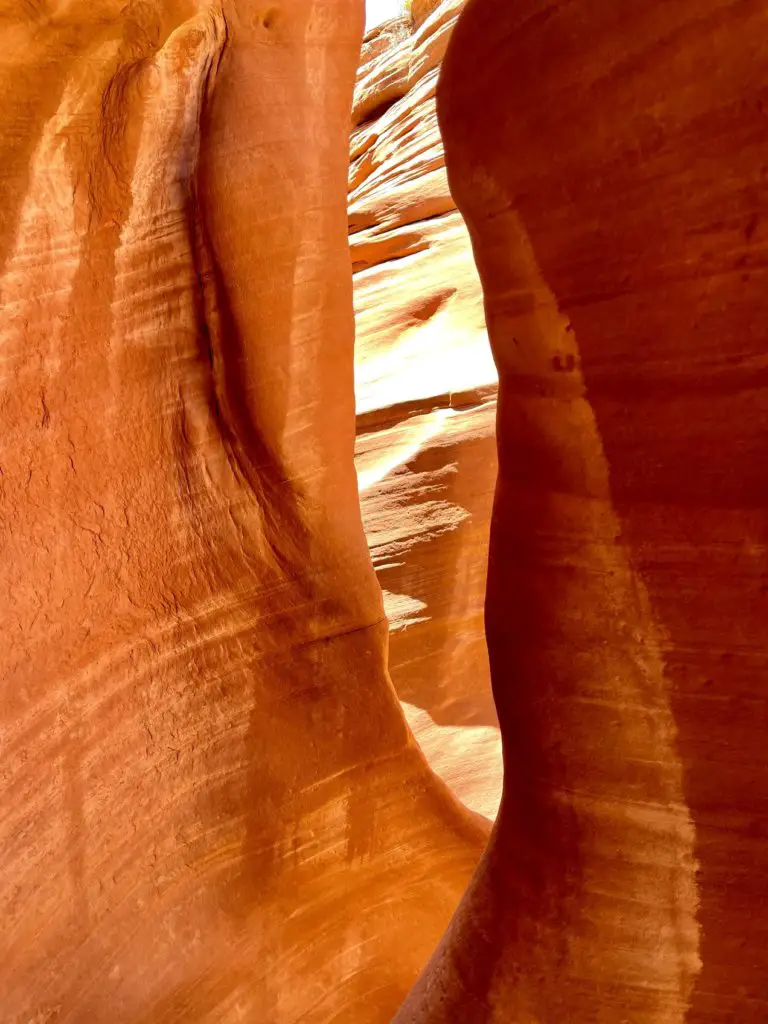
(212, 808)
(610, 161)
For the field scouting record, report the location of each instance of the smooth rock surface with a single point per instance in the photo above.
(426, 402)
(212, 808)
(611, 162)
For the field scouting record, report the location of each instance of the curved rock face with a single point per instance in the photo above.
(611, 164)
(212, 809)
(426, 400)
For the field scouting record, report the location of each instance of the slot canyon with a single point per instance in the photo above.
(378, 407)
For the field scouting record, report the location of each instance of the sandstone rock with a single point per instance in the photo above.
(611, 164)
(384, 65)
(212, 808)
(426, 400)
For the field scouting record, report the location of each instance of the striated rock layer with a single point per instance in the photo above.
(426, 400)
(611, 163)
(212, 808)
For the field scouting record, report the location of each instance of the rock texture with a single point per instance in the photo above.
(212, 808)
(611, 163)
(426, 400)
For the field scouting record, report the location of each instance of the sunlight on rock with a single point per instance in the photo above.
(464, 756)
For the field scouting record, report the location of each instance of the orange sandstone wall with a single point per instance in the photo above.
(212, 809)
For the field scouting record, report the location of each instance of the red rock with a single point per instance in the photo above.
(610, 161)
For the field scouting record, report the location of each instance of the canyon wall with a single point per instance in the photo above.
(212, 808)
(426, 403)
(611, 163)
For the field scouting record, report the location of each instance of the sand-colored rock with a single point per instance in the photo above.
(426, 402)
(212, 809)
(611, 163)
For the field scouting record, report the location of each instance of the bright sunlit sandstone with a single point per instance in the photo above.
(377, 11)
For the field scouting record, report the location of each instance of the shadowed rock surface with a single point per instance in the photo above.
(611, 163)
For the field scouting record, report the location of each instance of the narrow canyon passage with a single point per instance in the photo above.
(426, 387)
(212, 807)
